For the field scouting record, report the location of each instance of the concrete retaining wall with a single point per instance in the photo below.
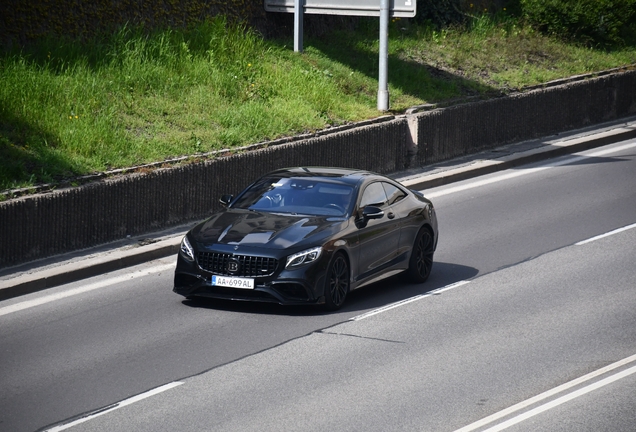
(450, 132)
(42, 225)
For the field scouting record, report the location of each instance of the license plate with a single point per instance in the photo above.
(233, 282)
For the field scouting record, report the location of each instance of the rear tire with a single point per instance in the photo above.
(421, 261)
(337, 282)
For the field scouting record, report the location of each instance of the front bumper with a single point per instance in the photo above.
(302, 286)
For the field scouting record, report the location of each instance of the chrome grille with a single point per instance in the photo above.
(249, 266)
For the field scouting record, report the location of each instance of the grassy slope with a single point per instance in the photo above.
(68, 109)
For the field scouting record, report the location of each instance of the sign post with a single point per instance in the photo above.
(383, 73)
(298, 25)
(382, 8)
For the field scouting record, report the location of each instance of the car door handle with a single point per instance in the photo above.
(390, 215)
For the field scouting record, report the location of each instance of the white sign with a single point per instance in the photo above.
(397, 8)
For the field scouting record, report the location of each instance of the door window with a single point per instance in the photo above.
(374, 195)
(393, 193)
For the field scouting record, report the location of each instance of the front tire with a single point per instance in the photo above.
(337, 283)
(421, 261)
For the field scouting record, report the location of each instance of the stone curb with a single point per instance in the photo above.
(38, 279)
(484, 167)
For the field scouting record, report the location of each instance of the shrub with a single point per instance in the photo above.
(439, 13)
(590, 22)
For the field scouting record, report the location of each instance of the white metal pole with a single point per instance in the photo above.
(383, 87)
(298, 25)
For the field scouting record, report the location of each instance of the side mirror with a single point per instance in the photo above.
(372, 212)
(369, 212)
(226, 200)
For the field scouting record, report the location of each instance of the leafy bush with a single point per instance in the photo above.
(439, 13)
(590, 22)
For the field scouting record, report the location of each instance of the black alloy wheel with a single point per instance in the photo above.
(421, 261)
(337, 283)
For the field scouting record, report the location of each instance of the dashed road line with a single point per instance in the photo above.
(522, 172)
(114, 407)
(611, 233)
(83, 289)
(408, 300)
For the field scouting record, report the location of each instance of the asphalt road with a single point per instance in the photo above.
(514, 308)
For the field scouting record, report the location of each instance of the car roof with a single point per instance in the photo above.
(344, 175)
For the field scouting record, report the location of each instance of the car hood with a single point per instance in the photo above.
(263, 229)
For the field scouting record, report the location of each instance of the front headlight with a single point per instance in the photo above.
(186, 249)
(304, 257)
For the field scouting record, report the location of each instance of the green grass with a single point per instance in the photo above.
(68, 109)
(507, 57)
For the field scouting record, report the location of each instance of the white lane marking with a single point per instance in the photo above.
(116, 406)
(407, 301)
(562, 400)
(501, 414)
(83, 289)
(522, 172)
(607, 234)
(479, 183)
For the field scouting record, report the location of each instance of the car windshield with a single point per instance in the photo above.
(297, 195)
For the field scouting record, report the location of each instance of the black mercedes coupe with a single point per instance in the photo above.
(308, 235)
